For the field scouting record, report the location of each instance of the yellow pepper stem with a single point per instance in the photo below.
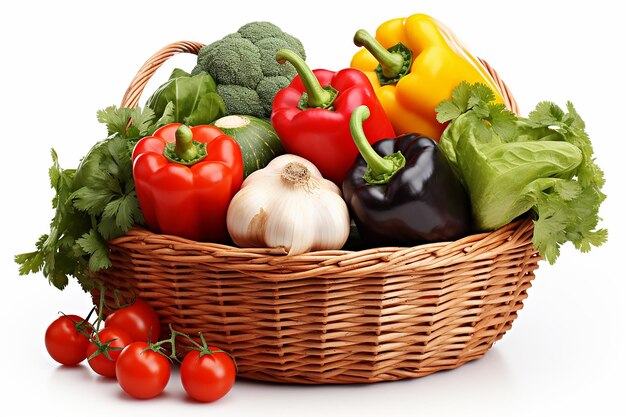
(394, 63)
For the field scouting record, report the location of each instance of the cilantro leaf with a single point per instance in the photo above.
(448, 110)
(94, 203)
(55, 256)
(143, 120)
(108, 229)
(128, 123)
(468, 97)
(122, 211)
(457, 104)
(32, 262)
(545, 114)
(55, 170)
(116, 120)
(542, 164)
(93, 244)
(503, 121)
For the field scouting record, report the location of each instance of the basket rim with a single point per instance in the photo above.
(516, 228)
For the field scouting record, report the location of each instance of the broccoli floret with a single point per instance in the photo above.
(244, 67)
(219, 60)
(271, 68)
(267, 89)
(241, 100)
(255, 31)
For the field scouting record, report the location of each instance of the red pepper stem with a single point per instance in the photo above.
(391, 63)
(379, 169)
(185, 150)
(317, 96)
(184, 144)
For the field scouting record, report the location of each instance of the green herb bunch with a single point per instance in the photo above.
(542, 164)
(93, 203)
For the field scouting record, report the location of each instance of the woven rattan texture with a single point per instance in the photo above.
(335, 317)
(332, 316)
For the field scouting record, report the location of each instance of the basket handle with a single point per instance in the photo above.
(509, 101)
(137, 85)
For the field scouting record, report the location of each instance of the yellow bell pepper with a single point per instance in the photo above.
(414, 64)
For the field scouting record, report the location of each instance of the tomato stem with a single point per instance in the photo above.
(117, 295)
(81, 325)
(157, 347)
(90, 313)
(100, 318)
(206, 350)
(103, 348)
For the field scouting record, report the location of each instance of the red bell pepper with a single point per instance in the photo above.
(314, 121)
(185, 178)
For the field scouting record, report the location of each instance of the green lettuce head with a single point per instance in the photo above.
(511, 166)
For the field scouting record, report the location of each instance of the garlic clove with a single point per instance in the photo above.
(288, 204)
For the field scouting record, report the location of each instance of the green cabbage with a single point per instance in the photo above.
(512, 165)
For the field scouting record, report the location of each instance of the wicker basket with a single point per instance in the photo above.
(330, 316)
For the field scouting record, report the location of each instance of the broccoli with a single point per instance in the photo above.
(244, 67)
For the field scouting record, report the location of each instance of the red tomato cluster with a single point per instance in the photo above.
(123, 349)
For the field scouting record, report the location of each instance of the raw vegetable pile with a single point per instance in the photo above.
(448, 159)
(412, 144)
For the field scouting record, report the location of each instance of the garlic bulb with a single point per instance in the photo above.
(288, 204)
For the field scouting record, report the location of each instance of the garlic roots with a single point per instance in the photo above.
(289, 204)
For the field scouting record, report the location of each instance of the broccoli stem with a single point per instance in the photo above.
(316, 95)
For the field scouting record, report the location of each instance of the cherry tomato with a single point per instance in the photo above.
(118, 339)
(142, 372)
(207, 377)
(139, 320)
(65, 343)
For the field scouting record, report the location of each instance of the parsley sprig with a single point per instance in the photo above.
(490, 146)
(93, 203)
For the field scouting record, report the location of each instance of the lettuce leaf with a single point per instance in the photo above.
(192, 100)
(512, 165)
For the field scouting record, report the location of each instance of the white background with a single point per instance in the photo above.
(62, 61)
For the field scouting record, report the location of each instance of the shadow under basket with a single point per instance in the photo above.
(330, 317)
